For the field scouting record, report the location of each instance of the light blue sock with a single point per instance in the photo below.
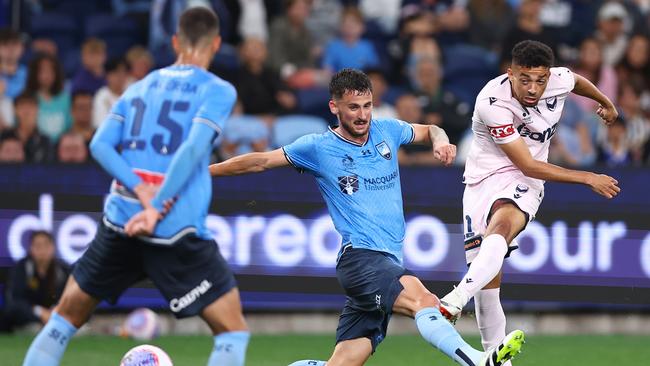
(436, 330)
(308, 363)
(229, 349)
(49, 345)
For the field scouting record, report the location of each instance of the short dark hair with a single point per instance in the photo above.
(196, 24)
(9, 36)
(115, 64)
(349, 80)
(44, 233)
(26, 97)
(78, 94)
(530, 53)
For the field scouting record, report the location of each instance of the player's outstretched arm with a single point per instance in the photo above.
(438, 139)
(250, 163)
(606, 109)
(519, 154)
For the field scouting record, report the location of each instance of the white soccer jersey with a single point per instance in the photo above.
(499, 119)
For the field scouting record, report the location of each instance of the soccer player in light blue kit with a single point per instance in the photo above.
(355, 165)
(158, 138)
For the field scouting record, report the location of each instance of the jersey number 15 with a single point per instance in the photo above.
(164, 120)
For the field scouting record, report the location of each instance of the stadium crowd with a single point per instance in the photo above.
(65, 62)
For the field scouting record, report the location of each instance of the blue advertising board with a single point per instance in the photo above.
(275, 225)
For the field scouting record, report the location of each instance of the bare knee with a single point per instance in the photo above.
(225, 314)
(425, 300)
(75, 305)
(351, 352)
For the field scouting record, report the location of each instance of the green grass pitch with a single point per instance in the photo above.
(265, 350)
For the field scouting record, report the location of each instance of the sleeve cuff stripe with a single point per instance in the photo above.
(116, 117)
(412, 133)
(208, 122)
(289, 159)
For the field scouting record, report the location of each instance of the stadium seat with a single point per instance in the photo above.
(60, 28)
(467, 69)
(71, 61)
(82, 8)
(226, 60)
(244, 131)
(287, 129)
(118, 33)
(313, 101)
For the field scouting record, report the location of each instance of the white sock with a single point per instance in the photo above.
(490, 317)
(485, 266)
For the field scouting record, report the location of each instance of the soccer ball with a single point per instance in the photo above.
(146, 355)
(142, 324)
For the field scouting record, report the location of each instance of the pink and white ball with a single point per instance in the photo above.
(142, 324)
(146, 355)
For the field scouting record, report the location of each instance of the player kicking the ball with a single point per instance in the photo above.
(368, 214)
(514, 119)
(158, 138)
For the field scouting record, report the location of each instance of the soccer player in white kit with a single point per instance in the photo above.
(515, 117)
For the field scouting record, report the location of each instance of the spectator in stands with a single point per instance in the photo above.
(12, 72)
(611, 31)
(591, 66)
(350, 50)
(37, 146)
(72, 149)
(614, 151)
(380, 109)
(409, 109)
(416, 39)
(90, 77)
(259, 87)
(45, 80)
(81, 111)
(637, 123)
(573, 144)
(449, 18)
(6, 107)
(440, 107)
(140, 63)
(291, 47)
(35, 282)
(323, 21)
(528, 25)
(252, 18)
(635, 65)
(386, 13)
(489, 23)
(117, 72)
(11, 150)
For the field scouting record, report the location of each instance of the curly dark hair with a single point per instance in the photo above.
(349, 80)
(532, 54)
(32, 86)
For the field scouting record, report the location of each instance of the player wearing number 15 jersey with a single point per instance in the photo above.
(156, 143)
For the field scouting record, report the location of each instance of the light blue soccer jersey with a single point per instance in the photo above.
(359, 182)
(155, 116)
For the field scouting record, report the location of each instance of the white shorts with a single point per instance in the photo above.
(527, 193)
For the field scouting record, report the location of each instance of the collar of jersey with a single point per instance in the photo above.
(506, 90)
(350, 141)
